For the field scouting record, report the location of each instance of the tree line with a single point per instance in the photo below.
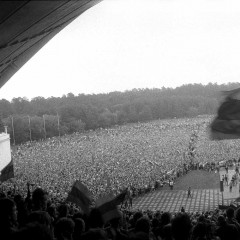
(41, 118)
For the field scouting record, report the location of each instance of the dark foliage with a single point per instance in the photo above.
(71, 113)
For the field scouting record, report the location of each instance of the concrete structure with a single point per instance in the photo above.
(26, 26)
(5, 150)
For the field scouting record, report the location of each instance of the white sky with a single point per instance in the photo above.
(125, 44)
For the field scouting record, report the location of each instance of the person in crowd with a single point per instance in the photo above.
(225, 230)
(189, 192)
(64, 229)
(231, 220)
(39, 199)
(32, 231)
(79, 228)
(181, 227)
(8, 218)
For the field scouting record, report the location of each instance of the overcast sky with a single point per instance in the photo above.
(123, 44)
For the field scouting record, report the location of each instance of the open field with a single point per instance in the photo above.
(198, 179)
(206, 194)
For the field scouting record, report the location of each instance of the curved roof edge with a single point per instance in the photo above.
(26, 26)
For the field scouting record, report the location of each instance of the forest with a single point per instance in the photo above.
(40, 118)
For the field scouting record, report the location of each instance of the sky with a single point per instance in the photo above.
(119, 45)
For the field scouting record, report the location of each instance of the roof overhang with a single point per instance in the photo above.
(26, 26)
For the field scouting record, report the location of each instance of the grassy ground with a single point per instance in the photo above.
(198, 179)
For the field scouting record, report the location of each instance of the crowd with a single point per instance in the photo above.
(139, 156)
(39, 217)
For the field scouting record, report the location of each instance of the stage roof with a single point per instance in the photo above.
(26, 26)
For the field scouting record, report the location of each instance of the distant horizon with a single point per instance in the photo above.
(127, 90)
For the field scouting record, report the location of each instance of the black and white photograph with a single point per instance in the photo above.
(120, 120)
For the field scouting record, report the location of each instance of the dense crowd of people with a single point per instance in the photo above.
(38, 217)
(140, 157)
(135, 156)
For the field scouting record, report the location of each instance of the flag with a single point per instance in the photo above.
(227, 123)
(7, 172)
(108, 205)
(108, 209)
(81, 196)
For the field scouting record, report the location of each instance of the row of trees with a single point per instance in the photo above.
(69, 113)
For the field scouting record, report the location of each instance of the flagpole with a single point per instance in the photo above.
(13, 131)
(44, 126)
(29, 125)
(58, 125)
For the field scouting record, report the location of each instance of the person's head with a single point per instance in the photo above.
(136, 216)
(165, 218)
(62, 210)
(52, 211)
(221, 221)
(155, 223)
(237, 215)
(18, 199)
(200, 230)
(181, 226)
(143, 225)
(8, 212)
(230, 213)
(39, 199)
(64, 229)
(201, 218)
